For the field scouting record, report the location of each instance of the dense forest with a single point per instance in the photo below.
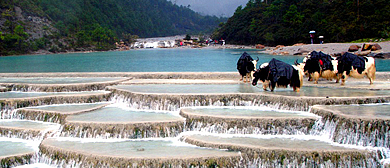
(58, 25)
(273, 22)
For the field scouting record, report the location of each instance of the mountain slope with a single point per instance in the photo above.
(92, 24)
(287, 22)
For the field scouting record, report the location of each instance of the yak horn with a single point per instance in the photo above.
(296, 62)
(257, 59)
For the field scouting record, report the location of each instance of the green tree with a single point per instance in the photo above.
(188, 37)
(20, 36)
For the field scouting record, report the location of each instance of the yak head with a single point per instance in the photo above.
(261, 73)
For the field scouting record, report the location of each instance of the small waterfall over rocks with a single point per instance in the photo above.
(347, 130)
(129, 131)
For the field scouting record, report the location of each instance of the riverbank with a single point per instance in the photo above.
(328, 48)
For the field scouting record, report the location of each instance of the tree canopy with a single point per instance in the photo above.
(97, 24)
(274, 22)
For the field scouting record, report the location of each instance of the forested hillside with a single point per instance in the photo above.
(58, 25)
(274, 22)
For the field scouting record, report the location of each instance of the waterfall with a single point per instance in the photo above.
(128, 131)
(175, 102)
(354, 131)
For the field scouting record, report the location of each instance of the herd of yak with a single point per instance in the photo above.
(277, 73)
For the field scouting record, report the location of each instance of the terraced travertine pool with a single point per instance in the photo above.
(109, 131)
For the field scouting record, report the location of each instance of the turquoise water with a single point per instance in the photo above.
(142, 60)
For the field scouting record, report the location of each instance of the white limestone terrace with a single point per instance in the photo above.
(115, 121)
(364, 125)
(56, 112)
(16, 152)
(324, 147)
(248, 120)
(168, 152)
(289, 151)
(59, 84)
(26, 129)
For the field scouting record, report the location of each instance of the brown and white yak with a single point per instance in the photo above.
(317, 65)
(246, 66)
(355, 66)
(280, 74)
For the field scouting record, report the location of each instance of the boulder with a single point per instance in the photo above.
(371, 46)
(362, 53)
(301, 51)
(279, 46)
(353, 48)
(299, 44)
(375, 47)
(260, 46)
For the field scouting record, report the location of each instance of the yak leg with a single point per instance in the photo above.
(316, 76)
(310, 77)
(344, 77)
(371, 74)
(296, 89)
(265, 85)
(245, 77)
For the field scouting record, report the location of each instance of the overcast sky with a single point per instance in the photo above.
(224, 8)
